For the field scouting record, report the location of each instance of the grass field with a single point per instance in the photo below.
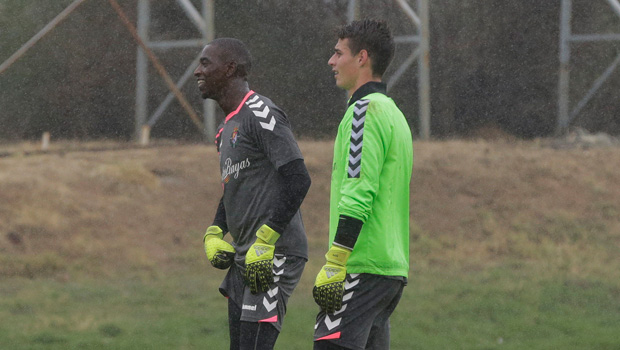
(514, 245)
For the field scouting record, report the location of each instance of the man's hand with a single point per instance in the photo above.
(329, 285)
(219, 252)
(259, 260)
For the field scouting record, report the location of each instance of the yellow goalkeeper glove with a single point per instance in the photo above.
(329, 285)
(259, 260)
(219, 252)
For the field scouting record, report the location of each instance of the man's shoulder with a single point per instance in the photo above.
(261, 107)
(257, 100)
(375, 111)
(375, 99)
(378, 98)
(259, 113)
(375, 103)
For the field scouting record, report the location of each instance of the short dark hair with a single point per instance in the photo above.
(371, 35)
(236, 51)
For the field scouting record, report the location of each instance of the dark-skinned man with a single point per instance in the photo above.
(264, 182)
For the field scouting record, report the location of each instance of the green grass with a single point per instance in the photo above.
(512, 247)
(508, 306)
(158, 313)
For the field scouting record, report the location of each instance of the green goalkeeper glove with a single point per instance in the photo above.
(219, 252)
(259, 260)
(329, 285)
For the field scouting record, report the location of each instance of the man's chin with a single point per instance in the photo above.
(341, 85)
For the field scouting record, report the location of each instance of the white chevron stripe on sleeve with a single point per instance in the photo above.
(355, 159)
(252, 100)
(360, 110)
(355, 147)
(257, 104)
(356, 135)
(354, 172)
(357, 123)
(269, 126)
(262, 114)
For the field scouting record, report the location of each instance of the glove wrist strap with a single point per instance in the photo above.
(267, 235)
(213, 232)
(338, 255)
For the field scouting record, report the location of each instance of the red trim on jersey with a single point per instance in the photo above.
(218, 135)
(331, 336)
(271, 319)
(233, 113)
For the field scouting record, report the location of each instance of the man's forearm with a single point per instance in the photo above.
(296, 184)
(220, 216)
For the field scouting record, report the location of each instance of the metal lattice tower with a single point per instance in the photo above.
(204, 22)
(421, 53)
(567, 38)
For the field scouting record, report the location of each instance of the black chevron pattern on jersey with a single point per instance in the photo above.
(357, 138)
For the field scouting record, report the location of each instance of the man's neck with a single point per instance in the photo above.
(366, 89)
(232, 96)
(361, 83)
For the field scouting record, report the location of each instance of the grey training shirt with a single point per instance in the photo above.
(253, 142)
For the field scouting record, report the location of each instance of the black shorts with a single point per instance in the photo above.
(269, 306)
(363, 322)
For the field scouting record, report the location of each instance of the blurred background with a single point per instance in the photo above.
(493, 65)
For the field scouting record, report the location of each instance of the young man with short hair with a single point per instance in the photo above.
(368, 260)
(264, 181)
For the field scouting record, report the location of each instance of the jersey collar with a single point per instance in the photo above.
(233, 113)
(366, 89)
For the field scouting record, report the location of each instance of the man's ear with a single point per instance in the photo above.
(362, 58)
(231, 69)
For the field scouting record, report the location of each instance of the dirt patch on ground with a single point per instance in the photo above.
(103, 211)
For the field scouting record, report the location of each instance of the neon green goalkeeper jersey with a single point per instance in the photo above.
(373, 159)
